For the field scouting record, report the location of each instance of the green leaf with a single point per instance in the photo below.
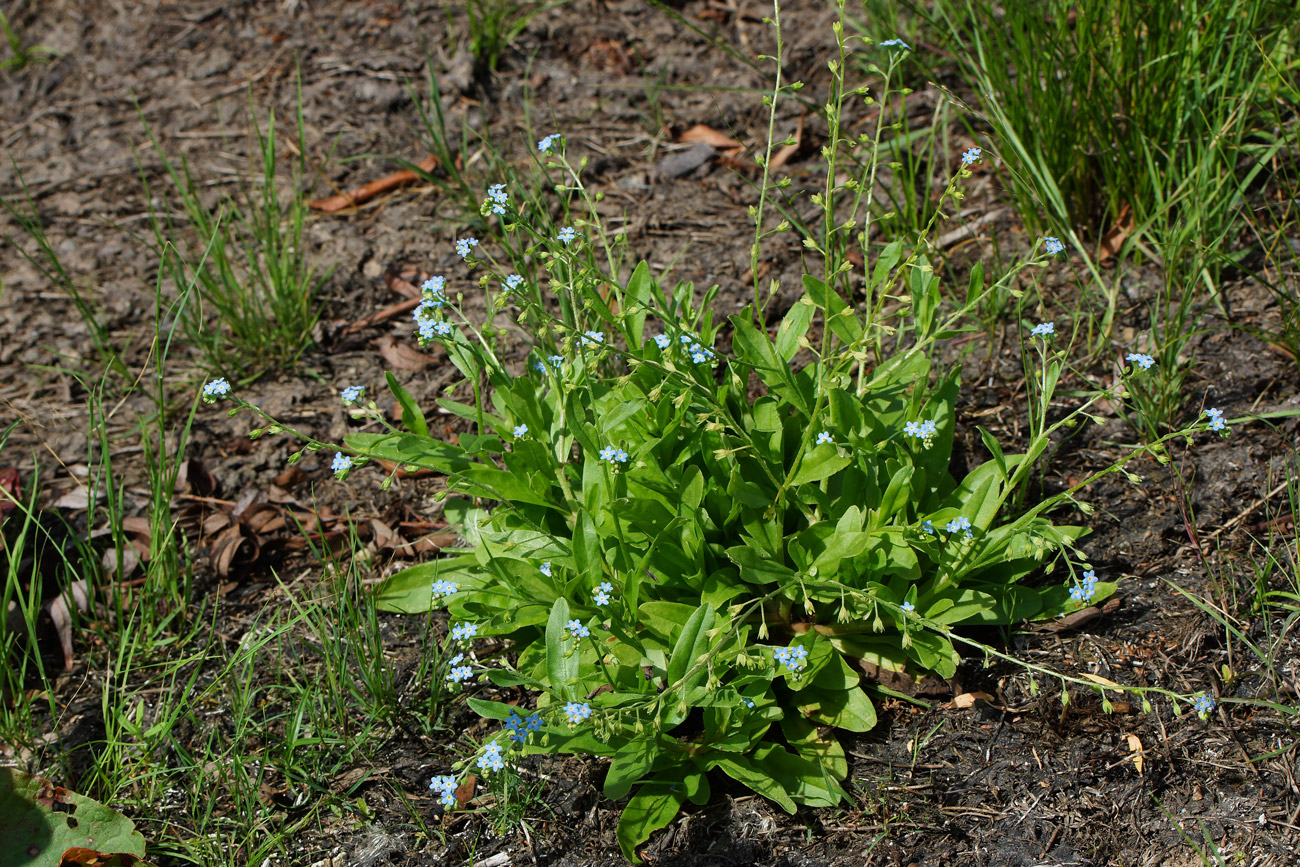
(408, 591)
(995, 449)
(39, 821)
(412, 416)
(821, 462)
(561, 667)
(690, 645)
(653, 806)
(758, 569)
(793, 328)
(633, 761)
(848, 709)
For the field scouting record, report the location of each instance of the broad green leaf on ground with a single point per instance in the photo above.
(39, 821)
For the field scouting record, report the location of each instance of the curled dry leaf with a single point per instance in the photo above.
(1135, 747)
(401, 355)
(710, 136)
(60, 608)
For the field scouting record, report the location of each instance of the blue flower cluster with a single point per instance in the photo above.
(491, 759)
(499, 198)
(613, 455)
(1217, 423)
(958, 525)
(603, 593)
(520, 728)
(442, 589)
(215, 389)
(465, 246)
(342, 463)
(568, 234)
(1053, 246)
(1044, 330)
(971, 156)
(463, 631)
(922, 430)
(428, 316)
(576, 629)
(1084, 590)
(513, 282)
(576, 712)
(459, 673)
(545, 145)
(1142, 360)
(690, 345)
(1204, 703)
(445, 786)
(795, 657)
(895, 43)
(352, 394)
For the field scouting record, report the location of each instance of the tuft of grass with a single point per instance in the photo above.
(494, 24)
(256, 290)
(21, 56)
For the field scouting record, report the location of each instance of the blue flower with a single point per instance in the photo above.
(464, 631)
(1045, 329)
(824, 437)
(1216, 421)
(342, 463)
(441, 588)
(1204, 703)
(1053, 246)
(445, 786)
(613, 454)
(491, 759)
(576, 712)
(465, 245)
(545, 568)
(591, 338)
(747, 702)
(1140, 359)
(442, 329)
(908, 607)
(513, 282)
(794, 658)
(521, 429)
(927, 527)
(434, 290)
(700, 354)
(602, 594)
(555, 360)
(545, 145)
(895, 43)
(922, 430)
(352, 394)
(499, 197)
(959, 524)
(687, 338)
(971, 156)
(576, 629)
(540, 366)
(460, 674)
(215, 389)
(662, 340)
(568, 234)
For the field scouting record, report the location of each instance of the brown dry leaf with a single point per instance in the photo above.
(233, 549)
(401, 355)
(79, 856)
(405, 279)
(361, 194)
(77, 498)
(968, 699)
(11, 490)
(710, 136)
(130, 561)
(384, 535)
(1097, 678)
(465, 791)
(78, 594)
(290, 477)
(1114, 239)
(194, 478)
(1135, 747)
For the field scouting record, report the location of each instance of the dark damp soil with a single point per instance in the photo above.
(1018, 777)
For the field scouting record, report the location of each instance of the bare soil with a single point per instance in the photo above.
(1016, 779)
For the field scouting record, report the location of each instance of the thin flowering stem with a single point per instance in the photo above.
(766, 163)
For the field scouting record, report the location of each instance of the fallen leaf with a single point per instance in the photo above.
(1097, 678)
(465, 791)
(1114, 239)
(334, 204)
(1135, 747)
(680, 163)
(710, 136)
(968, 699)
(400, 355)
(61, 615)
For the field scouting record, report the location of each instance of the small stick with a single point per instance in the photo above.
(334, 204)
